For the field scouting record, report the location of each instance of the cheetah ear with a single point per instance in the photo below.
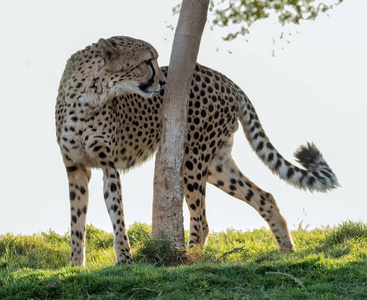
(107, 50)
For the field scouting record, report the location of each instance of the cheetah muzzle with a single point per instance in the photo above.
(150, 87)
(108, 116)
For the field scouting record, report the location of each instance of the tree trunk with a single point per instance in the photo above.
(168, 178)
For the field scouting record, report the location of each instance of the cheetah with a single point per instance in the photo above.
(108, 116)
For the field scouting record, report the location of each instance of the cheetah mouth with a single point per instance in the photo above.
(149, 88)
(144, 87)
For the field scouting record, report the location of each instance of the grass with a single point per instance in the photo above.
(329, 263)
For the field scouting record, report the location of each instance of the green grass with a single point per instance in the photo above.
(329, 263)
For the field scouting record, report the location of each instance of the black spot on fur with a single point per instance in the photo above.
(71, 169)
(189, 165)
(113, 187)
(72, 195)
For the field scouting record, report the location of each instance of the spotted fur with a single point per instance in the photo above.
(108, 117)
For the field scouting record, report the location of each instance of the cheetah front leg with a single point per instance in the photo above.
(113, 200)
(224, 174)
(98, 149)
(78, 177)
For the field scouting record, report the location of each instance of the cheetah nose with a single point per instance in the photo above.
(162, 82)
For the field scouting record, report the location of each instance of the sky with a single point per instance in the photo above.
(308, 86)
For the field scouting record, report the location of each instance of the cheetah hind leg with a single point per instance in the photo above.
(224, 174)
(78, 177)
(195, 199)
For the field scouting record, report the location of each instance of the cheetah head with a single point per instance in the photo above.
(117, 66)
(133, 64)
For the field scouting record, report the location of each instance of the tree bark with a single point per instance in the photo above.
(168, 178)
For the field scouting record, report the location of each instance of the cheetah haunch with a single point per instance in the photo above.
(108, 116)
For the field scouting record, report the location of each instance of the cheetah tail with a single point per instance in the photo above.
(317, 175)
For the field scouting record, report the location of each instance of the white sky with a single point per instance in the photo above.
(312, 90)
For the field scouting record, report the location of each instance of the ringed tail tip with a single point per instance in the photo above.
(310, 157)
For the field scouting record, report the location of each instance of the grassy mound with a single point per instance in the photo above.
(329, 263)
